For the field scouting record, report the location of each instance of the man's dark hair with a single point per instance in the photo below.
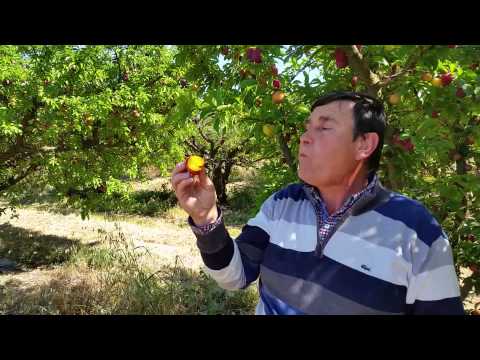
(368, 116)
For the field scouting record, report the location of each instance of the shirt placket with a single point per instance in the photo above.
(333, 222)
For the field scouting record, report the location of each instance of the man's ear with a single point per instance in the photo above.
(366, 145)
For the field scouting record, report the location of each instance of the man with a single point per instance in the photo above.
(338, 242)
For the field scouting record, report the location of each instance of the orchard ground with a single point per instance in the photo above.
(110, 264)
(122, 263)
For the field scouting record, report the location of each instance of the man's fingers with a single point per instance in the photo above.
(180, 167)
(183, 184)
(204, 179)
(176, 179)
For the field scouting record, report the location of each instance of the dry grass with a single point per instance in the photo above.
(109, 264)
(119, 276)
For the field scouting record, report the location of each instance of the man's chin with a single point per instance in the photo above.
(302, 176)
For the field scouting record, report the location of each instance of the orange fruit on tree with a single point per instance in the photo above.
(437, 82)
(278, 97)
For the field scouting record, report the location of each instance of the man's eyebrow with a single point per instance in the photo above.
(327, 118)
(323, 117)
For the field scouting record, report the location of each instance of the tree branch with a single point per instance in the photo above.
(307, 64)
(410, 65)
(15, 179)
(361, 67)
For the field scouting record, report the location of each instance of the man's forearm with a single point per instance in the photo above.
(214, 242)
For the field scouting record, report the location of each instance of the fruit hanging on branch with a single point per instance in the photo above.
(460, 93)
(276, 84)
(437, 82)
(183, 83)
(394, 99)
(278, 97)
(470, 140)
(427, 77)
(354, 81)
(446, 79)
(274, 70)
(268, 130)
(254, 55)
(341, 59)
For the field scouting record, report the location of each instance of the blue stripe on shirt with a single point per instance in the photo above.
(414, 215)
(340, 279)
(252, 243)
(293, 191)
(275, 306)
(450, 306)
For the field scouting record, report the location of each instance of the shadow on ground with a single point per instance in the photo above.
(32, 249)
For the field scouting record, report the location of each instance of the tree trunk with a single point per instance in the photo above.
(287, 153)
(220, 176)
(460, 165)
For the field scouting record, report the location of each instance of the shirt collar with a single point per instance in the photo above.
(349, 202)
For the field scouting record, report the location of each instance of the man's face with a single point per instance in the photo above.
(327, 153)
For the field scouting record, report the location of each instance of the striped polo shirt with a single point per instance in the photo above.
(387, 255)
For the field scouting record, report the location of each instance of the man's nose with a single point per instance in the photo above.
(305, 138)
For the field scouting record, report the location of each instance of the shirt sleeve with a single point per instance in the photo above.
(433, 287)
(235, 264)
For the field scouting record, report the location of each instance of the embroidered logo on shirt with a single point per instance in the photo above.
(365, 267)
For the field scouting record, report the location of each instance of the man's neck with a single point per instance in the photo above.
(334, 196)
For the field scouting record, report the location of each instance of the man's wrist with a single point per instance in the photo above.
(205, 229)
(211, 217)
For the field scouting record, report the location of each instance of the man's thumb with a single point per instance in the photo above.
(204, 180)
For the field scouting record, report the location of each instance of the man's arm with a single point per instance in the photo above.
(234, 264)
(434, 289)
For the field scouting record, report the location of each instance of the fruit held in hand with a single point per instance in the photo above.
(195, 164)
(278, 97)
